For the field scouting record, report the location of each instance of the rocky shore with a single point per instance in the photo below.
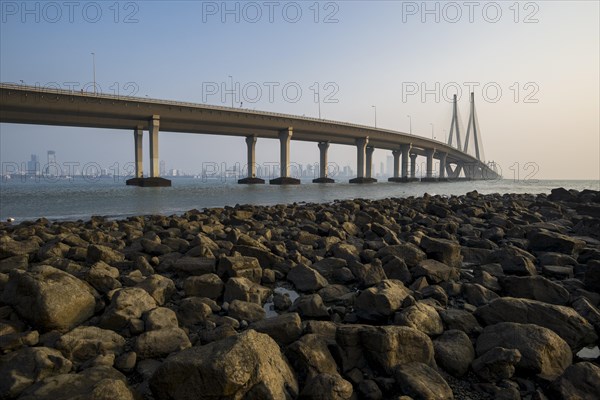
(468, 297)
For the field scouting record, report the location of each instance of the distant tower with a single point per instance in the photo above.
(33, 165)
(162, 168)
(51, 157)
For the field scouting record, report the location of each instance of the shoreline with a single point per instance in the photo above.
(467, 296)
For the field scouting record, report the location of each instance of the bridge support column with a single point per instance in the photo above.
(138, 136)
(369, 163)
(396, 177)
(361, 148)
(251, 179)
(413, 166)
(323, 178)
(284, 179)
(154, 180)
(442, 176)
(429, 171)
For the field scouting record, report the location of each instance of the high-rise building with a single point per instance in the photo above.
(390, 166)
(162, 169)
(33, 165)
(51, 157)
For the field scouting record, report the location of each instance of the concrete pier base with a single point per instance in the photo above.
(323, 180)
(148, 182)
(363, 180)
(399, 180)
(284, 180)
(429, 179)
(251, 181)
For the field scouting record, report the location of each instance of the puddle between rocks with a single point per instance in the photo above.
(589, 353)
(269, 306)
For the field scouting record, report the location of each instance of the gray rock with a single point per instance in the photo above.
(161, 342)
(246, 311)
(49, 298)
(22, 368)
(381, 301)
(207, 285)
(309, 357)
(195, 265)
(194, 311)
(422, 382)
(306, 279)
(454, 352)
(11, 248)
(477, 295)
(592, 276)
(535, 288)
(461, 320)
(328, 266)
(543, 352)
(579, 381)
(284, 329)
(514, 261)
(497, 364)
(544, 240)
(588, 311)
(396, 268)
(565, 321)
(103, 277)
(206, 372)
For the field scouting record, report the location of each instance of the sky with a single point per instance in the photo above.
(533, 67)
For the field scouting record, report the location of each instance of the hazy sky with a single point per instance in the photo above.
(534, 67)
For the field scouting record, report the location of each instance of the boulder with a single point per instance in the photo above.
(310, 306)
(249, 365)
(381, 301)
(545, 240)
(126, 304)
(367, 274)
(159, 287)
(435, 271)
(454, 352)
(195, 265)
(306, 279)
(85, 343)
(497, 364)
(246, 311)
(422, 382)
(327, 266)
(421, 316)
(245, 290)
(477, 295)
(408, 252)
(11, 248)
(22, 368)
(103, 277)
(207, 285)
(240, 267)
(565, 321)
(592, 276)
(49, 298)
(443, 250)
(284, 329)
(327, 386)
(160, 318)
(461, 320)
(543, 352)
(309, 357)
(535, 288)
(579, 381)
(161, 342)
(514, 261)
(96, 252)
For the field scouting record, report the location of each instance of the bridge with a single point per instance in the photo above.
(42, 106)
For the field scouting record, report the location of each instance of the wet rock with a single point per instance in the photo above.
(420, 381)
(245, 311)
(544, 240)
(435, 271)
(454, 352)
(241, 267)
(207, 372)
(543, 352)
(284, 329)
(327, 386)
(126, 304)
(207, 285)
(96, 383)
(535, 288)
(49, 298)
(442, 250)
(161, 342)
(22, 368)
(497, 364)
(579, 381)
(245, 290)
(306, 279)
(310, 306)
(422, 317)
(159, 287)
(565, 321)
(84, 343)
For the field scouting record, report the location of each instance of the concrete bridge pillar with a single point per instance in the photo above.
(361, 155)
(138, 136)
(404, 149)
(413, 165)
(251, 178)
(284, 140)
(429, 166)
(369, 161)
(323, 178)
(153, 130)
(442, 175)
(396, 178)
(154, 179)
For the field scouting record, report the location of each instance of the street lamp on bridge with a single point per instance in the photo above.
(432, 134)
(94, 69)
(409, 124)
(375, 107)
